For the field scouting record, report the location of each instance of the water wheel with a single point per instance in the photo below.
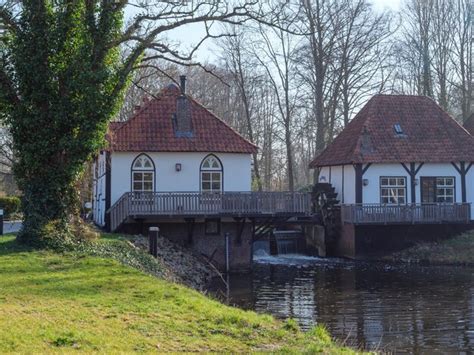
(325, 205)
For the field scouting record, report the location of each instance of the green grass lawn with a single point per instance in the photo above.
(455, 251)
(67, 303)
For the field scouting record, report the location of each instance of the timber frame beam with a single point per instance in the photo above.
(463, 169)
(360, 170)
(412, 171)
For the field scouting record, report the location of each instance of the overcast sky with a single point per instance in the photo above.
(391, 4)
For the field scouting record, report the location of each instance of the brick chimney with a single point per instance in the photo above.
(182, 79)
(183, 115)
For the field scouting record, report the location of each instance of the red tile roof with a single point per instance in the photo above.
(151, 129)
(429, 134)
(469, 124)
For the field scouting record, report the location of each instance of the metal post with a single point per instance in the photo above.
(1, 222)
(153, 240)
(227, 252)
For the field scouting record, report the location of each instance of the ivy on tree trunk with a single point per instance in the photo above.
(69, 81)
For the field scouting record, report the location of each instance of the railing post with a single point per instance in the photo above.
(153, 240)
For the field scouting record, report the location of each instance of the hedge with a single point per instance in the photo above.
(10, 205)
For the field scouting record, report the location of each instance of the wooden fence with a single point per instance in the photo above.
(220, 204)
(411, 213)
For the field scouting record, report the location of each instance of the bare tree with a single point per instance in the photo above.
(275, 51)
(341, 62)
(463, 60)
(434, 53)
(244, 78)
(443, 21)
(417, 34)
(361, 55)
(321, 19)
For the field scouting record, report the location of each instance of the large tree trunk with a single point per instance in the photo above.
(49, 202)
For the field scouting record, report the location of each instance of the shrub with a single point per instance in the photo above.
(10, 205)
(123, 252)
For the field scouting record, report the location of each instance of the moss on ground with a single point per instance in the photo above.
(455, 251)
(52, 302)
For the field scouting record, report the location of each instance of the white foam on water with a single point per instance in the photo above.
(260, 256)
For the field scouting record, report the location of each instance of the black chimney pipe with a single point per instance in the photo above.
(182, 79)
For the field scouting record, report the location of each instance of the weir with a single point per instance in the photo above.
(281, 242)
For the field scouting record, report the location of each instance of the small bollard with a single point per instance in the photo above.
(153, 240)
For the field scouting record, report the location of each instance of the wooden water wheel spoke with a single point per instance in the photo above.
(325, 202)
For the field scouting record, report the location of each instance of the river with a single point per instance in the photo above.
(371, 306)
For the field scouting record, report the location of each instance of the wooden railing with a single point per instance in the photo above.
(412, 213)
(196, 203)
(119, 211)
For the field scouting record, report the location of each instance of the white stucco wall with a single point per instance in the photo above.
(470, 189)
(324, 175)
(371, 192)
(349, 184)
(335, 178)
(236, 171)
(98, 189)
(343, 180)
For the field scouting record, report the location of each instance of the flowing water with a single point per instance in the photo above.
(366, 305)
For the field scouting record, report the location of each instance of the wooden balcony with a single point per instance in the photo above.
(195, 204)
(406, 214)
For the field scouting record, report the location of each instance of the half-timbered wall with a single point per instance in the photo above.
(343, 179)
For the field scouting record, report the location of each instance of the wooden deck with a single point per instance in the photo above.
(196, 204)
(406, 214)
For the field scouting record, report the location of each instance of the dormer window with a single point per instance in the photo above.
(398, 129)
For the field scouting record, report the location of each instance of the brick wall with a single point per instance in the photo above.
(210, 246)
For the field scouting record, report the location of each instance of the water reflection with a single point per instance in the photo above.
(403, 309)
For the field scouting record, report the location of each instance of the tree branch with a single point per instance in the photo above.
(7, 19)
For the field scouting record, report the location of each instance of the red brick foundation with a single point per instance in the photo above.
(345, 244)
(212, 247)
(359, 241)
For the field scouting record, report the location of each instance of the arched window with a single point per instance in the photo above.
(143, 174)
(211, 174)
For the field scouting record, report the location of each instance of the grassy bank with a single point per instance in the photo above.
(71, 302)
(456, 251)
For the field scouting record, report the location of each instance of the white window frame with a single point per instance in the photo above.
(143, 174)
(211, 172)
(444, 186)
(393, 189)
